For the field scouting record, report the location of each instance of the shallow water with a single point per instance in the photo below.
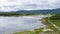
(14, 24)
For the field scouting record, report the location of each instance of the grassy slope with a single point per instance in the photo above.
(56, 20)
(49, 26)
(36, 31)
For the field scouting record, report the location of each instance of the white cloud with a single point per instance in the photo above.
(13, 5)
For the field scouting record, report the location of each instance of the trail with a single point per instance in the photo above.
(53, 24)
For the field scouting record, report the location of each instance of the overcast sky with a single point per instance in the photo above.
(13, 5)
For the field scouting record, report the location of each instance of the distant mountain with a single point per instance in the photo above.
(56, 11)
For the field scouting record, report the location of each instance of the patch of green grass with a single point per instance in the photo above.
(50, 26)
(56, 22)
(55, 19)
(25, 32)
(36, 31)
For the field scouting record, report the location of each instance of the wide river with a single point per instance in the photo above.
(15, 24)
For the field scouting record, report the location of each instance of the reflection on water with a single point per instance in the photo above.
(14, 24)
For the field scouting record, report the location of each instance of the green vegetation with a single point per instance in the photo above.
(38, 30)
(49, 26)
(16, 14)
(56, 19)
(25, 32)
(35, 31)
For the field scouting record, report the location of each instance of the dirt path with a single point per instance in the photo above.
(53, 24)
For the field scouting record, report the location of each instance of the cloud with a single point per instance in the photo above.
(14, 5)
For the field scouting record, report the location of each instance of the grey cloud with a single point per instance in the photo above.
(29, 4)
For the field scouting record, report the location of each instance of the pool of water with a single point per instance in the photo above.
(14, 24)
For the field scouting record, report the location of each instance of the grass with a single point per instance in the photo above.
(36, 31)
(56, 20)
(49, 26)
(25, 32)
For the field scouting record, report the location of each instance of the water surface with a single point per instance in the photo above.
(14, 24)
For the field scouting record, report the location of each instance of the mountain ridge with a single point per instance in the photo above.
(57, 11)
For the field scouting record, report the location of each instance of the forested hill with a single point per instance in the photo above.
(56, 11)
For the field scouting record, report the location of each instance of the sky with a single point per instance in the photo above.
(14, 5)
